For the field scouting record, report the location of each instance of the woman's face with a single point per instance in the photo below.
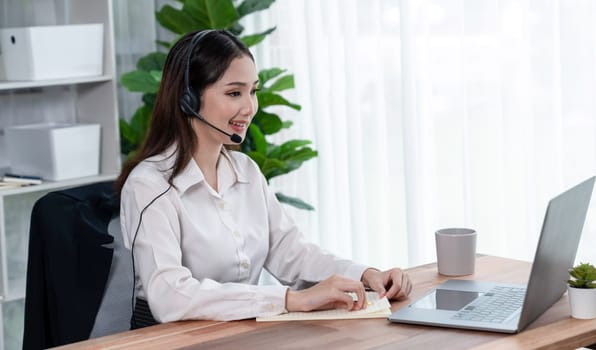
(231, 102)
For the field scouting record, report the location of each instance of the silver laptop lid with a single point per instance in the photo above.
(557, 247)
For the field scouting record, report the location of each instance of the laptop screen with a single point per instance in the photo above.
(555, 254)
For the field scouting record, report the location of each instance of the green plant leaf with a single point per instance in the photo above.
(213, 14)
(258, 139)
(152, 62)
(251, 40)
(277, 172)
(156, 74)
(223, 13)
(273, 167)
(126, 132)
(178, 21)
(288, 147)
(269, 123)
(149, 100)
(287, 124)
(140, 81)
(300, 155)
(267, 74)
(259, 158)
(197, 10)
(295, 159)
(247, 145)
(125, 147)
(293, 153)
(139, 123)
(165, 44)
(267, 99)
(293, 201)
(250, 6)
(573, 283)
(133, 133)
(283, 83)
(274, 151)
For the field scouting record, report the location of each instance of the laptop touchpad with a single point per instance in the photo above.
(446, 299)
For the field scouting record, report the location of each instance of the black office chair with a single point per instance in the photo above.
(79, 275)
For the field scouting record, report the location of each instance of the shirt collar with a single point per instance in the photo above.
(240, 174)
(192, 174)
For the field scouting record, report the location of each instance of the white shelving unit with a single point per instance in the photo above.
(83, 100)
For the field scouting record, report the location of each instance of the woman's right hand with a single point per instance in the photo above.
(328, 294)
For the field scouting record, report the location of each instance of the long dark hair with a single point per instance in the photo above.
(209, 61)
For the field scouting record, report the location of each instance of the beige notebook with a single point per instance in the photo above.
(376, 308)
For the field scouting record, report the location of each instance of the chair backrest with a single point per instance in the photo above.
(115, 310)
(79, 278)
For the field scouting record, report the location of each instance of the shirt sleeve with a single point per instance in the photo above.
(170, 289)
(293, 260)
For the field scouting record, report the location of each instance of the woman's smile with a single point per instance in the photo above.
(238, 125)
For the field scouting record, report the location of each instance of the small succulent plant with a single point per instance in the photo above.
(583, 276)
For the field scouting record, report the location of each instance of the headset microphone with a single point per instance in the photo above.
(233, 137)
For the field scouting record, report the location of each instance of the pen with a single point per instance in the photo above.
(24, 177)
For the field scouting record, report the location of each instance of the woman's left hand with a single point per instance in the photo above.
(394, 283)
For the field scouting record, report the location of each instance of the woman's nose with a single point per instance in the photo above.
(251, 104)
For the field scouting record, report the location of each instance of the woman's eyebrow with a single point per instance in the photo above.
(239, 83)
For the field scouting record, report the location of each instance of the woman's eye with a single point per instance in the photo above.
(254, 91)
(234, 94)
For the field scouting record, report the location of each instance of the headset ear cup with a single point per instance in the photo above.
(188, 102)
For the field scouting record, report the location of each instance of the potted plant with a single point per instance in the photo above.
(582, 291)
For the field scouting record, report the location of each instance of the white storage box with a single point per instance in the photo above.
(52, 52)
(54, 151)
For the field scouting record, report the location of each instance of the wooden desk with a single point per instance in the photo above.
(553, 330)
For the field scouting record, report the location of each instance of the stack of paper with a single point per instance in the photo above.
(376, 308)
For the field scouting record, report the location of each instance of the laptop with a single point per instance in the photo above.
(509, 308)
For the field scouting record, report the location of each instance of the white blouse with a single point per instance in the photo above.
(199, 251)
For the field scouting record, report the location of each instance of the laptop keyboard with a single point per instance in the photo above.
(494, 306)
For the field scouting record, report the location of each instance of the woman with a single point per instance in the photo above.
(200, 219)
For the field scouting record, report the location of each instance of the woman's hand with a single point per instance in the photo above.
(394, 283)
(328, 294)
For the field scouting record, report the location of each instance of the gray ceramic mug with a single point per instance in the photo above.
(456, 251)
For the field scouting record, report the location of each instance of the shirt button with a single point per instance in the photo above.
(236, 233)
(244, 265)
(222, 205)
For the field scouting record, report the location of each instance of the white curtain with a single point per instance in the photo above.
(135, 30)
(436, 113)
(426, 114)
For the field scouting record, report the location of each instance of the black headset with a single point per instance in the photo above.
(189, 103)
